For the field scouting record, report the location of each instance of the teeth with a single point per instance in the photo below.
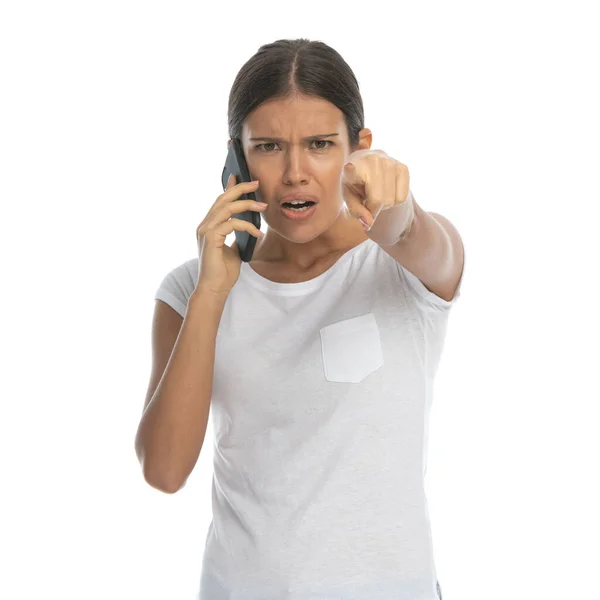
(299, 209)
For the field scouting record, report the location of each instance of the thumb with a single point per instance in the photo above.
(230, 182)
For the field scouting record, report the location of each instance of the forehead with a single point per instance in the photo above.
(298, 115)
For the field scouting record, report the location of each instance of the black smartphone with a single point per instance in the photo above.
(236, 163)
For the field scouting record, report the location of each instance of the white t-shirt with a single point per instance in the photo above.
(320, 410)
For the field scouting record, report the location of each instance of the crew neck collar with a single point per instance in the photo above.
(301, 287)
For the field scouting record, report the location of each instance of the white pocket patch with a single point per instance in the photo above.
(351, 349)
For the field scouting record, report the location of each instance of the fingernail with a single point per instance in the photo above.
(365, 226)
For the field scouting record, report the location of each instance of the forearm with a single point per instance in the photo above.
(173, 426)
(393, 223)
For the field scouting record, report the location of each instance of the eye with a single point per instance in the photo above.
(322, 142)
(259, 146)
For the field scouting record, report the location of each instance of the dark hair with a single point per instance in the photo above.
(287, 67)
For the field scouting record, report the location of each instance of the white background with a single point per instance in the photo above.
(113, 131)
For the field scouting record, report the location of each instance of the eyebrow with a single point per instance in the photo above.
(306, 139)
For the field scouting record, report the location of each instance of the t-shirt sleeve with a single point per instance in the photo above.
(426, 297)
(177, 286)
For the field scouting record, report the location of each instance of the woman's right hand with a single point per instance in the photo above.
(219, 266)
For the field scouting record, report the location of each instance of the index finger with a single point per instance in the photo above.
(234, 191)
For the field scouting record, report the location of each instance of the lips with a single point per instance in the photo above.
(298, 197)
(298, 215)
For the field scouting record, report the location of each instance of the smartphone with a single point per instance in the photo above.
(236, 163)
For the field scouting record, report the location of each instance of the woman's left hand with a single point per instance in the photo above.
(372, 181)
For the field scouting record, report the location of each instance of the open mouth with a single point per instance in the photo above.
(299, 212)
(298, 207)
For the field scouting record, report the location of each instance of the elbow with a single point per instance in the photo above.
(161, 487)
(167, 485)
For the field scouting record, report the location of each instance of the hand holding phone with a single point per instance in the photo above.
(219, 266)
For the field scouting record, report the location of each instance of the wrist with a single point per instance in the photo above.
(208, 298)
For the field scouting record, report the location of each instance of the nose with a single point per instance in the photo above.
(295, 171)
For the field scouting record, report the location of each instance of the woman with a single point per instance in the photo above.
(316, 359)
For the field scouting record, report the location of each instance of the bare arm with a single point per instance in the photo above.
(431, 248)
(173, 425)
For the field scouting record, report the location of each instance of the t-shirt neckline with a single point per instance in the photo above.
(301, 287)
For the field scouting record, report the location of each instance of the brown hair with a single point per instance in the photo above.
(287, 67)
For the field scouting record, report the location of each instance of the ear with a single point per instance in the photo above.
(365, 139)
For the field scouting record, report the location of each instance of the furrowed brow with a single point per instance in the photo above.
(306, 139)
